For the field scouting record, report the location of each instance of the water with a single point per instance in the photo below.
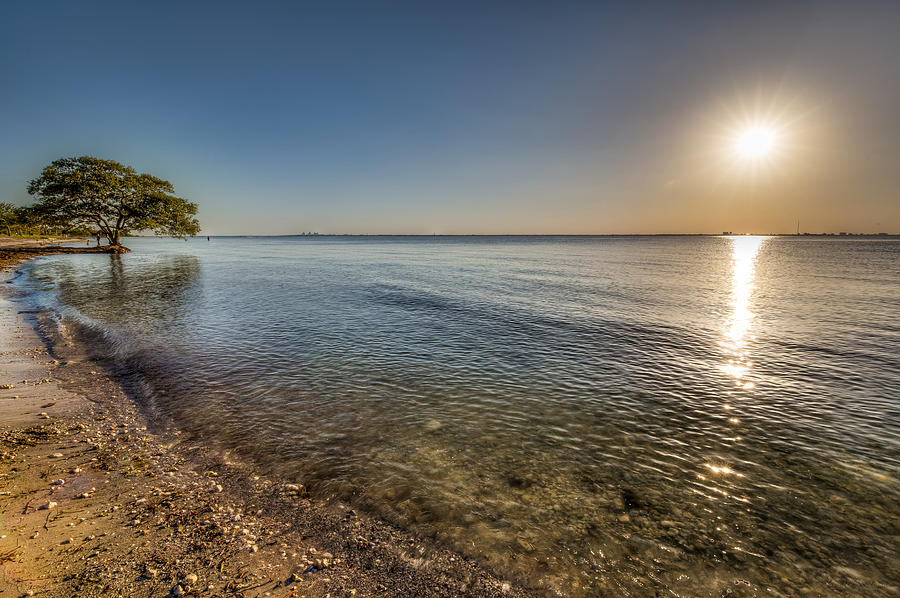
(596, 416)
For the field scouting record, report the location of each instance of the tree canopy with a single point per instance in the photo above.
(112, 198)
(9, 215)
(18, 220)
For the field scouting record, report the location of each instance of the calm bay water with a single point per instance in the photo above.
(598, 416)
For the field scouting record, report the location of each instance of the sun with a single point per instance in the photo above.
(756, 142)
(756, 138)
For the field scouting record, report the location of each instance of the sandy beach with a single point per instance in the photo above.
(97, 500)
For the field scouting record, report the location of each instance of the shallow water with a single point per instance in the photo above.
(597, 416)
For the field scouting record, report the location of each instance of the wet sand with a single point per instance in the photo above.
(95, 500)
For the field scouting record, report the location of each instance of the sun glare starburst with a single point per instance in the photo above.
(756, 142)
(756, 138)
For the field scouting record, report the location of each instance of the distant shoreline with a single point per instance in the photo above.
(529, 235)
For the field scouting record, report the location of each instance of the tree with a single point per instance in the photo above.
(19, 220)
(88, 192)
(8, 217)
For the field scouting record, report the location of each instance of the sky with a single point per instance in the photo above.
(468, 118)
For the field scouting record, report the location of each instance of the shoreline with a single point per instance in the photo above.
(14, 250)
(97, 500)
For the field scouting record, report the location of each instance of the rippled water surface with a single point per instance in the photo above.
(596, 416)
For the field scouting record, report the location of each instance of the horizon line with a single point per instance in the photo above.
(722, 234)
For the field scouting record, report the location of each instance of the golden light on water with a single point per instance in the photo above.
(743, 256)
(735, 339)
(722, 470)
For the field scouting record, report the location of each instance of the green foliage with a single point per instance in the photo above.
(19, 221)
(88, 193)
(8, 217)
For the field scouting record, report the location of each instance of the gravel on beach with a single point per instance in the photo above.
(97, 500)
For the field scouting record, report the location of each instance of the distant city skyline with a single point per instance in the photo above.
(471, 118)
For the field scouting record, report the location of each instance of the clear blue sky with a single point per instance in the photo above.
(460, 117)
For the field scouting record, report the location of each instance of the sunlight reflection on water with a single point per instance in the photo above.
(744, 252)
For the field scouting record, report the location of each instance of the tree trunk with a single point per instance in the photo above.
(114, 246)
